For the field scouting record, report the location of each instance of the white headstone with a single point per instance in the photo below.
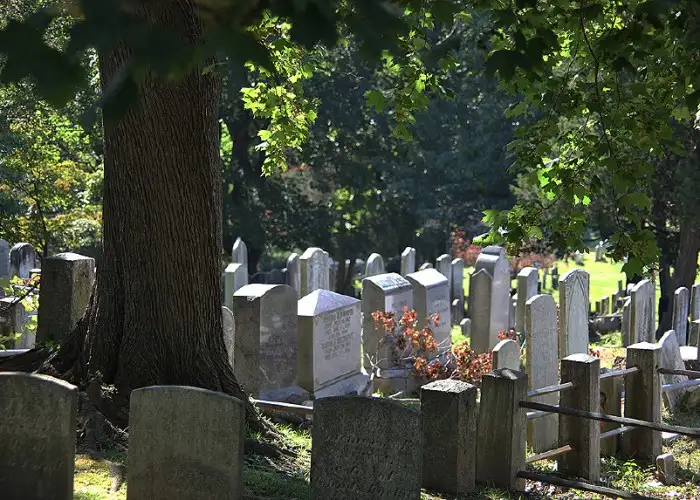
(22, 260)
(482, 338)
(239, 253)
(506, 355)
(527, 288)
(444, 265)
(229, 325)
(374, 266)
(408, 261)
(314, 270)
(457, 282)
(425, 265)
(235, 278)
(542, 367)
(681, 299)
(4, 258)
(641, 313)
(294, 273)
(493, 260)
(431, 296)
(671, 360)
(573, 313)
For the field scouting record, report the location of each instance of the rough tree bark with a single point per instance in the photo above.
(155, 314)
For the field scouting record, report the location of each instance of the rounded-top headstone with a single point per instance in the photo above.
(22, 260)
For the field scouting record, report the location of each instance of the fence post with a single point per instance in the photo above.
(643, 401)
(502, 428)
(582, 434)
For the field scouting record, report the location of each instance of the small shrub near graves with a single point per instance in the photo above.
(21, 298)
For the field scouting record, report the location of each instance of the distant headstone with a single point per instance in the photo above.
(229, 327)
(386, 293)
(493, 260)
(330, 339)
(374, 266)
(266, 337)
(239, 253)
(671, 360)
(527, 288)
(37, 437)
(332, 272)
(512, 311)
(506, 355)
(627, 322)
(294, 273)
(431, 296)
(695, 302)
(444, 265)
(185, 442)
(457, 311)
(605, 305)
(600, 252)
(408, 261)
(573, 313)
(4, 258)
(641, 315)
(457, 282)
(22, 260)
(365, 448)
(426, 265)
(620, 287)
(66, 286)
(466, 326)
(681, 299)
(276, 277)
(542, 367)
(666, 469)
(314, 270)
(235, 278)
(13, 325)
(480, 286)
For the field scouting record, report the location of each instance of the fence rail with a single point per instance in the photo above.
(619, 373)
(549, 454)
(284, 407)
(687, 373)
(550, 389)
(580, 485)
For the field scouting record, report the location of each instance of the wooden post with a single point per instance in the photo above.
(502, 428)
(643, 401)
(583, 435)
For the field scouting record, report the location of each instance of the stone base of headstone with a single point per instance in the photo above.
(294, 395)
(393, 380)
(355, 385)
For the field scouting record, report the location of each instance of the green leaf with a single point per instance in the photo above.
(639, 200)
(376, 100)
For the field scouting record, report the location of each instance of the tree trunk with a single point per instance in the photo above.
(155, 314)
(686, 267)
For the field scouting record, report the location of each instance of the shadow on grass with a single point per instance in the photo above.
(266, 484)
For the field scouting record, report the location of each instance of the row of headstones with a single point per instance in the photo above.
(610, 304)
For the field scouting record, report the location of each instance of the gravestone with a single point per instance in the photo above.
(313, 264)
(408, 261)
(611, 403)
(374, 266)
(330, 344)
(4, 259)
(627, 322)
(641, 313)
(13, 325)
(66, 285)
(294, 273)
(22, 260)
(573, 313)
(37, 437)
(512, 311)
(332, 272)
(444, 265)
(365, 448)
(671, 359)
(457, 282)
(235, 278)
(506, 355)
(605, 305)
(229, 327)
(598, 307)
(527, 288)
(545, 275)
(492, 259)
(276, 277)
(466, 326)
(681, 299)
(185, 442)
(695, 302)
(239, 253)
(386, 293)
(480, 285)
(542, 367)
(431, 296)
(449, 408)
(425, 265)
(266, 339)
(457, 311)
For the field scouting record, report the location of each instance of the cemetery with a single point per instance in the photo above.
(358, 249)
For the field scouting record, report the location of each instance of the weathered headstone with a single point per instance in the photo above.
(598, 307)
(482, 338)
(408, 261)
(527, 288)
(671, 359)
(235, 278)
(506, 355)
(457, 311)
(542, 367)
(431, 296)
(466, 326)
(185, 442)
(330, 343)
(493, 260)
(449, 408)
(294, 273)
(4, 258)
(14, 330)
(425, 265)
(681, 299)
(266, 337)
(695, 302)
(365, 448)
(332, 273)
(37, 437)
(22, 260)
(374, 266)
(457, 282)
(573, 313)
(666, 469)
(512, 311)
(229, 327)
(239, 253)
(605, 305)
(66, 285)
(627, 322)
(386, 293)
(314, 270)
(641, 313)
(444, 265)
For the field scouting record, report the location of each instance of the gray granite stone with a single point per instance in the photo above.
(185, 442)
(493, 260)
(466, 326)
(444, 266)
(457, 311)
(369, 448)
(37, 437)
(235, 278)
(374, 265)
(573, 313)
(408, 261)
(457, 282)
(294, 273)
(314, 270)
(527, 288)
(431, 296)
(641, 313)
(671, 359)
(22, 260)
(482, 336)
(666, 469)
(681, 303)
(506, 355)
